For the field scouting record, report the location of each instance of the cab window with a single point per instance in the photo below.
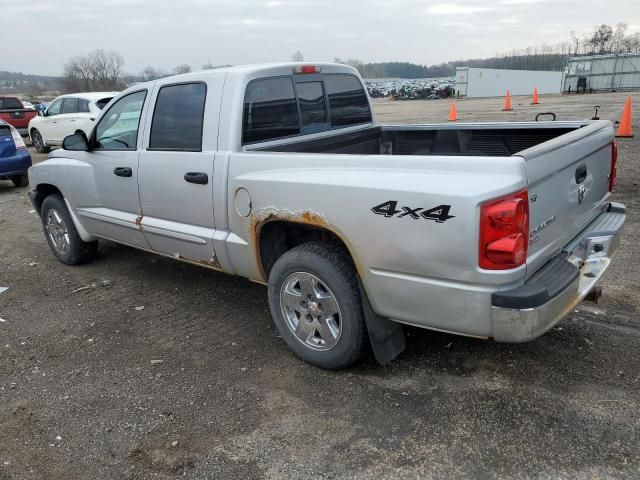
(270, 110)
(348, 101)
(178, 118)
(118, 128)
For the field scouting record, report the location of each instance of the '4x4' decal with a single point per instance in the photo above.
(389, 209)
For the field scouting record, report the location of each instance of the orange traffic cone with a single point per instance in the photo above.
(507, 102)
(624, 130)
(453, 112)
(535, 101)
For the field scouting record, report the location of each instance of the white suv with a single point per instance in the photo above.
(66, 115)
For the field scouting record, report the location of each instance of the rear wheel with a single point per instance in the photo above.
(20, 180)
(61, 233)
(315, 303)
(38, 142)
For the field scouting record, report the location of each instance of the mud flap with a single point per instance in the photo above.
(387, 337)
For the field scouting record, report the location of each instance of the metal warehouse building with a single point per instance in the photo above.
(603, 72)
(490, 82)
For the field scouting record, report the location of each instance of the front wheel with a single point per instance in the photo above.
(61, 233)
(315, 302)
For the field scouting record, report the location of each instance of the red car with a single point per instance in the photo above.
(13, 112)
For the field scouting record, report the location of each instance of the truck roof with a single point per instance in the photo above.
(257, 70)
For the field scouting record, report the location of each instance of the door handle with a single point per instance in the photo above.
(123, 171)
(581, 173)
(196, 177)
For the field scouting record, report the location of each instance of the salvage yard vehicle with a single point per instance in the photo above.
(66, 115)
(15, 159)
(13, 112)
(278, 173)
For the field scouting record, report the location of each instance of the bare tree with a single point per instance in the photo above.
(98, 70)
(150, 73)
(184, 68)
(297, 57)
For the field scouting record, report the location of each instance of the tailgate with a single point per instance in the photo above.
(18, 118)
(568, 184)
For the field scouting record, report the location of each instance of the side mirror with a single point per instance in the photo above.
(76, 143)
(41, 113)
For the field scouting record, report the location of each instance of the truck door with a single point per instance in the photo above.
(105, 192)
(176, 170)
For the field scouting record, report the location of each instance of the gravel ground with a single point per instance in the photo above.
(137, 366)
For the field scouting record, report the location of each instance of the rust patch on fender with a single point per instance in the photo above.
(305, 217)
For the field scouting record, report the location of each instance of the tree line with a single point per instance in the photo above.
(104, 70)
(604, 39)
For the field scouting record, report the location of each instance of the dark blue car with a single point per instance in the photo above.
(15, 159)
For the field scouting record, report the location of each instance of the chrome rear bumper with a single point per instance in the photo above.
(528, 311)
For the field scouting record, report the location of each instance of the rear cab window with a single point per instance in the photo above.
(10, 103)
(270, 110)
(281, 107)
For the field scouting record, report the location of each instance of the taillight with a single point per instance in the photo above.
(17, 138)
(303, 69)
(504, 232)
(613, 174)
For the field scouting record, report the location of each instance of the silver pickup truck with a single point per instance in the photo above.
(278, 173)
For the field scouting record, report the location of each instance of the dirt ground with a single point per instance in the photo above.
(137, 366)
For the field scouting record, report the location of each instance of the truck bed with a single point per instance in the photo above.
(499, 140)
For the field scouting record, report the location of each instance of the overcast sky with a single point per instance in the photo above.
(43, 34)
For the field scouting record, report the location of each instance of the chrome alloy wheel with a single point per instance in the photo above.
(311, 311)
(57, 231)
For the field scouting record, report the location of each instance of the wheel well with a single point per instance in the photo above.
(277, 237)
(79, 131)
(43, 190)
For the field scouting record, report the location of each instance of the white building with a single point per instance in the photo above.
(490, 82)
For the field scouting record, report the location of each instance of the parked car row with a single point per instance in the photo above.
(66, 115)
(13, 112)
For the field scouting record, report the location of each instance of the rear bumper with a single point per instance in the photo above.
(17, 164)
(527, 312)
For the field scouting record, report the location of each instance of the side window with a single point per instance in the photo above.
(70, 105)
(83, 106)
(54, 108)
(348, 102)
(270, 110)
(313, 109)
(178, 117)
(118, 128)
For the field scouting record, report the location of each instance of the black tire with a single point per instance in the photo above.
(78, 251)
(20, 180)
(333, 267)
(38, 142)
